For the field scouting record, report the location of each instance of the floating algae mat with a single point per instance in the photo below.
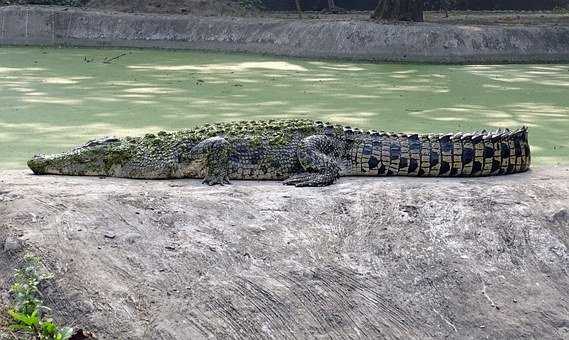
(52, 99)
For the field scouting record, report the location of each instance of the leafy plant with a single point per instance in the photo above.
(251, 4)
(56, 2)
(27, 313)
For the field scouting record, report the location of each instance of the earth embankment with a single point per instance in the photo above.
(365, 258)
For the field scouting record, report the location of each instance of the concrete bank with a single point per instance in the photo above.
(385, 258)
(360, 40)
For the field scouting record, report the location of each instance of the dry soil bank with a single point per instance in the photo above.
(366, 258)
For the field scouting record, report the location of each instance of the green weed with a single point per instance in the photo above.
(251, 4)
(56, 2)
(28, 314)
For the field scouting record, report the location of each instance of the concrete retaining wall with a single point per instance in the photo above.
(312, 39)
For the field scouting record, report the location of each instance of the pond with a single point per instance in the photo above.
(53, 99)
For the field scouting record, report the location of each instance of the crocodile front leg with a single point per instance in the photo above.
(216, 151)
(316, 156)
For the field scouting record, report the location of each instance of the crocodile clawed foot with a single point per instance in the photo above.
(216, 180)
(310, 180)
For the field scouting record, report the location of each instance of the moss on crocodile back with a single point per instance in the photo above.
(276, 132)
(261, 128)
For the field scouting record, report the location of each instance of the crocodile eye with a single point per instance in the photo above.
(101, 141)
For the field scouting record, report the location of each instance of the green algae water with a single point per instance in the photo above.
(52, 99)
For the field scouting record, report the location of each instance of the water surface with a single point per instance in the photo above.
(52, 99)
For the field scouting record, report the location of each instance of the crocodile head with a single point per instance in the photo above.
(149, 157)
(101, 157)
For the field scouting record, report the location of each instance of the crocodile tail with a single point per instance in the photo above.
(446, 155)
(473, 154)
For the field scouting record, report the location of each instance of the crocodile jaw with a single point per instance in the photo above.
(40, 165)
(76, 164)
(66, 164)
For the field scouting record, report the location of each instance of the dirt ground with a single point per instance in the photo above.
(195, 7)
(232, 8)
(455, 17)
(380, 258)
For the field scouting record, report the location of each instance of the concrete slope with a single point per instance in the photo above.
(354, 40)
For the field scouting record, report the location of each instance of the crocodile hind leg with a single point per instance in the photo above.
(216, 151)
(316, 156)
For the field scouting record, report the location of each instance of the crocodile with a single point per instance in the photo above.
(299, 152)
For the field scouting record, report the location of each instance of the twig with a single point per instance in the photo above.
(108, 61)
(488, 297)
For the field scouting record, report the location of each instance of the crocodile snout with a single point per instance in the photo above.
(38, 164)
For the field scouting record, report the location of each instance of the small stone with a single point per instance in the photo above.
(12, 244)
(561, 217)
(131, 238)
(110, 235)
(88, 307)
(5, 298)
(515, 300)
(170, 248)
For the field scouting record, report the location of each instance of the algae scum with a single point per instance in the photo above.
(53, 99)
